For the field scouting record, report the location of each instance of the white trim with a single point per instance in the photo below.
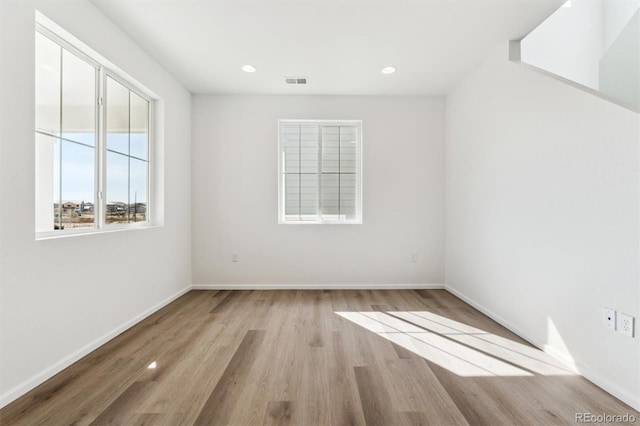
(47, 373)
(506, 324)
(62, 42)
(624, 395)
(45, 236)
(247, 286)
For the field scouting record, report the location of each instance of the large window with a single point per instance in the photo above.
(320, 176)
(92, 143)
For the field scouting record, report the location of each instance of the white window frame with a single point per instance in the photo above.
(103, 152)
(100, 167)
(281, 182)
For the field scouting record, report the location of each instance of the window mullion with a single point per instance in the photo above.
(299, 173)
(99, 206)
(150, 163)
(339, 166)
(128, 211)
(319, 175)
(60, 136)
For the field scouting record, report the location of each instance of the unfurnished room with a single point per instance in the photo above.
(319, 212)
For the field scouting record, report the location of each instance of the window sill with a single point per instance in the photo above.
(54, 235)
(354, 222)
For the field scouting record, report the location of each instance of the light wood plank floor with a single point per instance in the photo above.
(314, 358)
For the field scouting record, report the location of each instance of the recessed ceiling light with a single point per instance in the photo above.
(249, 68)
(388, 70)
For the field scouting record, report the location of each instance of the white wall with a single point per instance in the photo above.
(61, 297)
(235, 194)
(569, 42)
(620, 66)
(542, 202)
(615, 17)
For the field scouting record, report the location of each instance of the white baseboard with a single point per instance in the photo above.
(623, 395)
(317, 286)
(46, 374)
(506, 324)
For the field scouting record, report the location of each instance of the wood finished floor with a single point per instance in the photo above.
(314, 358)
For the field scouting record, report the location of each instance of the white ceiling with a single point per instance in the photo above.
(339, 45)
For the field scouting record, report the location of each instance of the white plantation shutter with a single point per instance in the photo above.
(320, 172)
(300, 168)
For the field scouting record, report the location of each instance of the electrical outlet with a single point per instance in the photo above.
(414, 257)
(625, 324)
(235, 257)
(609, 318)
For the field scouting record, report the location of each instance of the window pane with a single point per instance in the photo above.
(330, 144)
(139, 126)
(309, 196)
(308, 149)
(77, 163)
(291, 146)
(47, 85)
(78, 99)
(57, 207)
(127, 137)
(292, 196)
(117, 101)
(329, 200)
(117, 188)
(348, 145)
(348, 196)
(47, 181)
(291, 157)
(138, 191)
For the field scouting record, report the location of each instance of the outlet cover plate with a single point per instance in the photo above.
(625, 324)
(609, 318)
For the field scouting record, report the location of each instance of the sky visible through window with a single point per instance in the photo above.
(78, 164)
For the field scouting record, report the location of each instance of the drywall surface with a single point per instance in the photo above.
(615, 17)
(620, 65)
(542, 202)
(569, 42)
(235, 194)
(61, 297)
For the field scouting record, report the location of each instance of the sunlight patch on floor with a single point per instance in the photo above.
(462, 349)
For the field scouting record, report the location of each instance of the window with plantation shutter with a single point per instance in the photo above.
(320, 176)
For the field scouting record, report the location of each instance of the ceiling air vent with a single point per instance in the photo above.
(295, 80)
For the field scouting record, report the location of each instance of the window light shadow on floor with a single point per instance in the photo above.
(461, 349)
